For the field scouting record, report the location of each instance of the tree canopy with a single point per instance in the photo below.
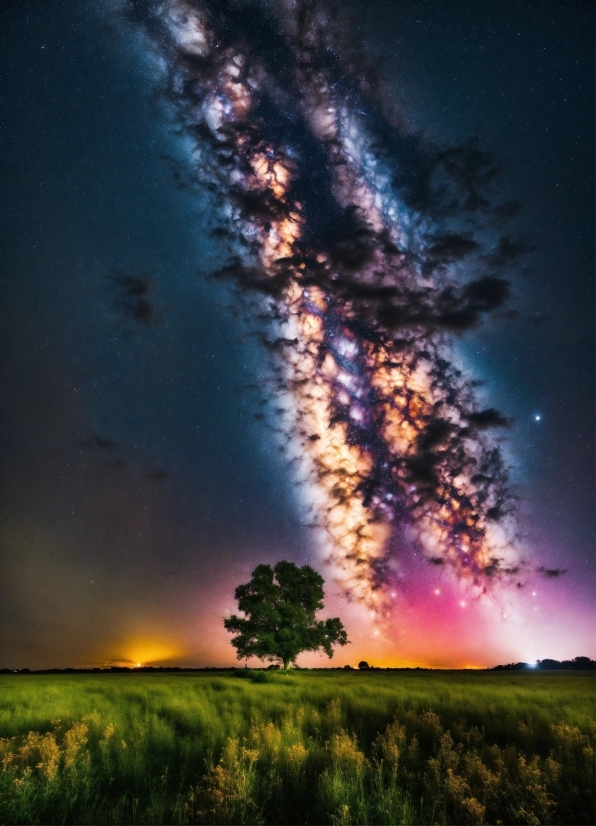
(280, 606)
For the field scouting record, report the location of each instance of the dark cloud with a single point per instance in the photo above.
(120, 455)
(551, 573)
(95, 440)
(296, 212)
(452, 247)
(508, 251)
(437, 432)
(132, 297)
(158, 475)
(506, 210)
(484, 419)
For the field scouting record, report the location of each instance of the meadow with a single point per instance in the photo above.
(300, 748)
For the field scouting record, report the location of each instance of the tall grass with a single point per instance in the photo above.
(307, 747)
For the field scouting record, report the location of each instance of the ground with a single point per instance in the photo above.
(304, 747)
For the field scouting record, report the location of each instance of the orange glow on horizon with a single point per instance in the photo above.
(139, 652)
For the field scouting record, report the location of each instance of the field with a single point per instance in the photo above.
(306, 747)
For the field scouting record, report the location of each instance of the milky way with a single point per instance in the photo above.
(369, 249)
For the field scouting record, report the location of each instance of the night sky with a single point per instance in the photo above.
(283, 285)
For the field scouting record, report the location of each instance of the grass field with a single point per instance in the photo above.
(307, 747)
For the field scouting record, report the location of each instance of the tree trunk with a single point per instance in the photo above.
(286, 664)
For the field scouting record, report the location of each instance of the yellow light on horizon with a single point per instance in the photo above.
(139, 652)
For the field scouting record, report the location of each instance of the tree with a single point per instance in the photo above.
(280, 606)
(363, 665)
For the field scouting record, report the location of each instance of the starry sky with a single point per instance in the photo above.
(283, 285)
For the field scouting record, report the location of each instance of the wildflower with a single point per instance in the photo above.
(74, 741)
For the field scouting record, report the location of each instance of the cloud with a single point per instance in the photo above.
(483, 419)
(95, 440)
(366, 248)
(551, 573)
(158, 475)
(452, 247)
(132, 298)
(508, 250)
(120, 455)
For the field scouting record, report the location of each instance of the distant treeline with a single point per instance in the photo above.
(123, 669)
(577, 664)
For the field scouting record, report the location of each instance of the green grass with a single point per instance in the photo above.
(307, 747)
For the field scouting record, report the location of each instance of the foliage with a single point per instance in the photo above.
(280, 606)
(305, 747)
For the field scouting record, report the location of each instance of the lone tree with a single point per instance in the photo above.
(279, 605)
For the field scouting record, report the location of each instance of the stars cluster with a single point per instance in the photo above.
(367, 248)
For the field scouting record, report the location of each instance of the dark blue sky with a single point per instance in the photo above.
(137, 485)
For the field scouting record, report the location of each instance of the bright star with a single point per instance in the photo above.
(537, 418)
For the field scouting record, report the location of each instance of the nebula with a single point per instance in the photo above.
(368, 249)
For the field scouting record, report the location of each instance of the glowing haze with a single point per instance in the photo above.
(363, 276)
